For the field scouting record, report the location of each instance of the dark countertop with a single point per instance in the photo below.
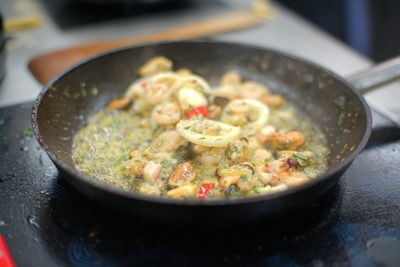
(47, 223)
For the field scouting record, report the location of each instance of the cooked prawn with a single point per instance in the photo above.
(287, 141)
(156, 64)
(166, 114)
(168, 141)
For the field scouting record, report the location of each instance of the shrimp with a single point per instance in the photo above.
(209, 159)
(207, 155)
(303, 158)
(246, 182)
(149, 189)
(289, 179)
(255, 90)
(230, 77)
(236, 113)
(288, 141)
(274, 101)
(238, 107)
(151, 172)
(260, 157)
(252, 145)
(199, 149)
(283, 172)
(155, 65)
(264, 133)
(238, 151)
(296, 178)
(228, 91)
(265, 177)
(185, 191)
(182, 175)
(137, 162)
(251, 114)
(168, 141)
(156, 94)
(135, 153)
(166, 114)
(184, 71)
(281, 165)
(190, 98)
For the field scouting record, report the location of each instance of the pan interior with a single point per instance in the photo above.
(320, 96)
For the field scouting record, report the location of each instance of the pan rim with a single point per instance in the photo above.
(133, 195)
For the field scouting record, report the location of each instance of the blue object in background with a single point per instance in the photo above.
(358, 25)
(370, 27)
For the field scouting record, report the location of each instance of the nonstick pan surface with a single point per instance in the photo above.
(327, 100)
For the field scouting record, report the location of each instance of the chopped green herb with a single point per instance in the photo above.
(201, 138)
(343, 149)
(341, 118)
(255, 190)
(300, 156)
(116, 124)
(159, 143)
(83, 92)
(165, 164)
(155, 130)
(244, 177)
(122, 158)
(27, 132)
(186, 127)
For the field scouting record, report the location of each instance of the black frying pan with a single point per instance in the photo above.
(330, 102)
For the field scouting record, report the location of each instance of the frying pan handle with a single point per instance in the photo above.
(379, 75)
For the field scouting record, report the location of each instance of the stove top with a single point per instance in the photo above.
(45, 222)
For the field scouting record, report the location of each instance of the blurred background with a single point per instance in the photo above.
(369, 26)
(345, 36)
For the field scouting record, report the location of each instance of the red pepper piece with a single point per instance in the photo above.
(202, 110)
(204, 189)
(5, 256)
